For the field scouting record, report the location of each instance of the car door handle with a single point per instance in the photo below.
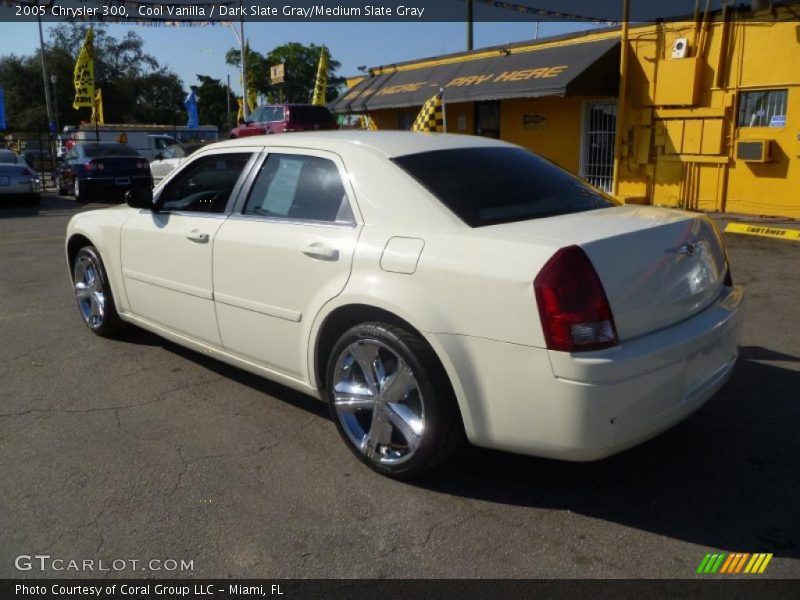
(321, 251)
(197, 236)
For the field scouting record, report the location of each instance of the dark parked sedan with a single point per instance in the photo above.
(105, 170)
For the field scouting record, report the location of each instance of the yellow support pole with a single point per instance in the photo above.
(623, 77)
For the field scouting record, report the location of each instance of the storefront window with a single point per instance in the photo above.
(763, 108)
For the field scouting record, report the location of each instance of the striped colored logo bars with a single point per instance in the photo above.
(734, 563)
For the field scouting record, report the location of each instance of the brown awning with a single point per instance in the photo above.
(579, 69)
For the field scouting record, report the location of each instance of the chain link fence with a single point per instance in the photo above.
(37, 146)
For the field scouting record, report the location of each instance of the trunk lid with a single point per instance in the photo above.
(658, 266)
(119, 165)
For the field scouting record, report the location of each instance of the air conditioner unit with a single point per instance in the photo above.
(680, 48)
(754, 151)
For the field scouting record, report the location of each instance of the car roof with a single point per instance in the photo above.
(386, 143)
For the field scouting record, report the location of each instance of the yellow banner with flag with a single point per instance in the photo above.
(83, 75)
(240, 114)
(368, 123)
(252, 95)
(321, 84)
(97, 109)
(431, 118)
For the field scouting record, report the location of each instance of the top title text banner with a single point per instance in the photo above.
(199, 12)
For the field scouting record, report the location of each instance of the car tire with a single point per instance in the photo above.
(62, 187)
(93, 293)
(81, 195)
(400, 431)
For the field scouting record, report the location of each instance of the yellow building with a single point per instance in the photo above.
(710, 118)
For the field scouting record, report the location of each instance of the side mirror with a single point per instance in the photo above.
(139, 198)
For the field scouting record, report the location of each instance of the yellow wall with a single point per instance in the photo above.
(557, 138)
(679, 128)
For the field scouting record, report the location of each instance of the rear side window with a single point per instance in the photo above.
(310, 114)
(97, 150)
(489, 186)
(299, 188)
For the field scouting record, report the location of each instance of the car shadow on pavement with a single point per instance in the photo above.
(141, 337)
(10, 209)
(726, 478)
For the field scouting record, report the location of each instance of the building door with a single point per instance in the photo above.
(487, 119)
(597, 145)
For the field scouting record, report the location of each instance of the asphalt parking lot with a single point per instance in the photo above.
(138, 449)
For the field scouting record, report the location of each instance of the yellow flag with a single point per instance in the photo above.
(321, 84)
(431, 118)
(252, 96)
(368, 123)
(97, 108)
(83, 75)
(240, 114)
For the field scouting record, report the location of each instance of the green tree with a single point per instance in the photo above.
(136, 89)
(301, 72)
(212, 103)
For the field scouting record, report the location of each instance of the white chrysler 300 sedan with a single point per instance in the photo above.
(430, 288)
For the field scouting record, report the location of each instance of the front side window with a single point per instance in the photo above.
(489, 186)
(763, 108)
(296, 187)
(205, 185)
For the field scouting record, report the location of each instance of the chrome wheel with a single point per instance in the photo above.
(378, 402)
(89, 291)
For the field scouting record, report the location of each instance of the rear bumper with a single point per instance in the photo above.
(17, 189)
(118, 182)
(591, 405)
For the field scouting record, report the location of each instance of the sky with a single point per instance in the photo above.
(192, 50)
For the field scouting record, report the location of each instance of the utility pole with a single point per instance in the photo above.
(54, 81)
(45, 79)
(228, 101)
(243, 64)
(470, 24)
(623, 80)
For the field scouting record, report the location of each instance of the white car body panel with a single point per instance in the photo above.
(253, 298)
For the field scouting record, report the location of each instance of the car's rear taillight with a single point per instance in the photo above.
(573, 305)
(141, 165)
(94, 166)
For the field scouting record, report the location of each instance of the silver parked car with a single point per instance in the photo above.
(17, 180)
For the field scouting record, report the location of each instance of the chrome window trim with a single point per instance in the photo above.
(335, 224)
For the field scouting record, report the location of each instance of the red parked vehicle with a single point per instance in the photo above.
(283, 118)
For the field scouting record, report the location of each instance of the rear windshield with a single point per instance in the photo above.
(95, 150)
(488, 186)
(310, 114)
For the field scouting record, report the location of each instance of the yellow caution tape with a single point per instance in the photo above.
(763, 231)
